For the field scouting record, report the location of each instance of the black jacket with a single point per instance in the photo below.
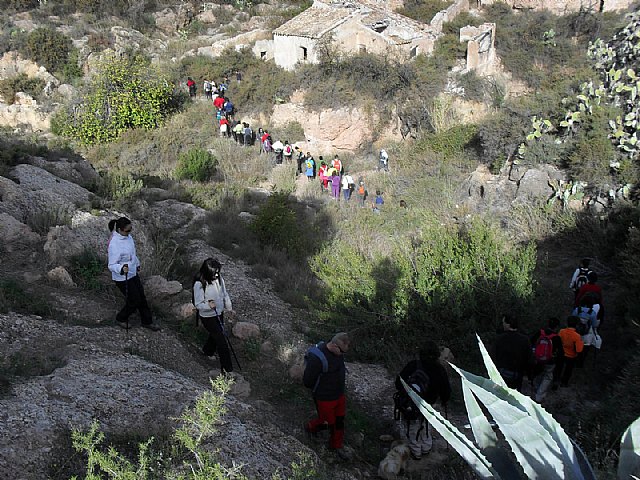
(331, 384)
(512, 352)
(439, 386)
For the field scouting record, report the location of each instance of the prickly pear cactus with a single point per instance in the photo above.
(618, 63)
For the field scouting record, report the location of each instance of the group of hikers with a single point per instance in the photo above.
(547, 357)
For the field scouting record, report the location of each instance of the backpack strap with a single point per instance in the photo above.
(315, 351)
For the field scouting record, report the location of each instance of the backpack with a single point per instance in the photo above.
(581, 279)
(287, 150)
(543, 349)
(193, 299)
(316, 352)
(403, 405)
(584, 314)
(361, 190)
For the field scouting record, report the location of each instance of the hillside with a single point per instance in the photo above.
(510, 133)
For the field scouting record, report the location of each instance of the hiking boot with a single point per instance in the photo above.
(123, 325)
(151, 326)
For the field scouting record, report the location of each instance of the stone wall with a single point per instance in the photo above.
(449, 14)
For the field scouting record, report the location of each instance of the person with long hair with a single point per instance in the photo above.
(211, 298)
(125, 268)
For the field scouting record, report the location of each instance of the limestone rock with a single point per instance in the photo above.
(62, 244)
(296, 372)
(266, 348)
(246, 330)
(14, 235)
(157, 286)
(184, 311)
(240, 388)
(78, 170)
(166, 21)
(56, 191)
(60, 276)
(176, 216)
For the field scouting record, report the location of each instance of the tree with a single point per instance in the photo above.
(126, 93)
(48, 47)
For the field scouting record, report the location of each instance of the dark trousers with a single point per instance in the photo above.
(217, 341)
(564, 369)
(135, 300)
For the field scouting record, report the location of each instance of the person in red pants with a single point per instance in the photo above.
(325, 374)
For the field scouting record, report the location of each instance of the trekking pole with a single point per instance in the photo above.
(126, 295)
(446, 417)
(226, 337)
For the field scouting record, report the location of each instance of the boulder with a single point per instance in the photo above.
(60, 276)
(14, 235)
(241, 388)
(62, 245)
(166, 21)
(246, 330)
(176, 216)
(78, 170)
(296, 372)
(53, 190)
(184, 311)
(157, 286)
(534, 184)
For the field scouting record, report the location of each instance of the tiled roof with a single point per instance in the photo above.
(323, 17)
(315, 21)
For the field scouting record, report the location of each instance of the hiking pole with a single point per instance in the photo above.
(126, 294)
(226, 337)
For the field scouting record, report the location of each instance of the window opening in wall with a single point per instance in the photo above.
(304, 53)
(263, 54)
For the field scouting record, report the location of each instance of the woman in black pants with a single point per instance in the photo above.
(211, 299)
(125, 266)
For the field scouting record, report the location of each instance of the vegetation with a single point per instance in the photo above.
(48, 47)
(20, 83)
(127, 93)
(197, 426)
(539, 445)
(196, 164)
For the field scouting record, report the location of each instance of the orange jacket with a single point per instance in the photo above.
(571, 342)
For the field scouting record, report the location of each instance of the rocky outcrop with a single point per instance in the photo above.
(239, 41)
(344, 129)
(78, 171)
(562, 7)
(15, 234)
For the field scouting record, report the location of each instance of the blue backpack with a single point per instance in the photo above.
(316, 352)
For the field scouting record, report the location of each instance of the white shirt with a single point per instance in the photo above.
(122, 250)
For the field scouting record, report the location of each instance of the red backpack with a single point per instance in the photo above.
(543, 350)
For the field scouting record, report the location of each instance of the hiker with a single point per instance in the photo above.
(511, 353)
(384, 160)
(377, 203)
(572, 345)
(287, 152)
(211, 299)
(590, 289)
(429, 379)
(125, 268)
(224, 126)
(310, 167)
(278, 147)
(238, 76)
(337, 164)
(219, 102)
(300, 158)
(326, 378)
(335, 183)
(248, 134)
(587, 327)
(191, 86)
(238, 130)
(547, 349)
(207, 89)
(228, 108)
(347, 186)
(579, 277)
(322, 175)
(362, 193)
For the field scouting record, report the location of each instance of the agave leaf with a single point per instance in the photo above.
(465, 447)
(492, 370)
(573, 458)
(532, 445)
(630, 451)
(487, 439)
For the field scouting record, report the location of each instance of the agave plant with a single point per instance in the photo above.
(539, 447)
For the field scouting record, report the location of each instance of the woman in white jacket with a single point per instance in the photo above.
(125, 266)
(211, 299)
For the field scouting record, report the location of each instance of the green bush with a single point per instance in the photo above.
(423, 10)
(196, 164)
(501, 134)
(475, 87)
(48, 47)
(19, 5)
(86, 269)
(126, 93)
(447, 281)
(277, 225)
(20, 83)
(118, 185)
(15, 297)
(450, 142)
(590, 162)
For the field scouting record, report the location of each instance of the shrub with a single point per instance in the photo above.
(501, 134)
(19, 5)
(196, 164)
(450, 142)
(423, 10)
(127, 92)
(118, 185)
(276, 224)
(591, 160)
(20, 83)
(86, 269)
(43, 218)
(14, 297)
(475, 87)
(48, 47)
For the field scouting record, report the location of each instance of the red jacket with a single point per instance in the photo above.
(218, 102)
(588, 287)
